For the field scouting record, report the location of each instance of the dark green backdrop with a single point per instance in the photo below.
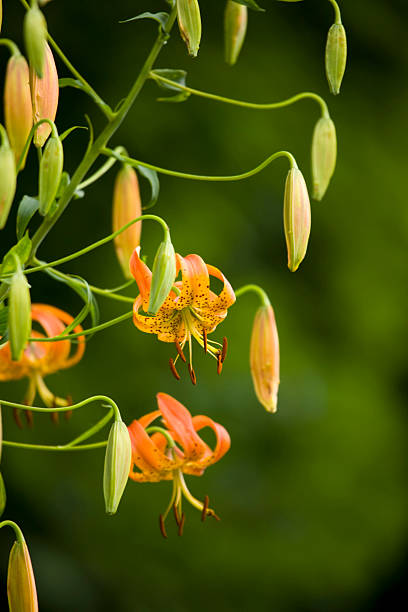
(314, 499)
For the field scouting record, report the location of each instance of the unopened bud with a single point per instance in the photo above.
(235, 26)
(44, 93)
(264, 358)
(21, 589)
(336, 56)
(126, 206)
(163, 275)
(19, 318)
(51, 165)
(296, 218)
(3, 496)
(7, 177)
(118, 458)
(35, 38)
(189, 21)
(18, 111)
(324, 153)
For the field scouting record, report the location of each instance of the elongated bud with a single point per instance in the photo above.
(52, 162)
(44, 93)
(296, 218)
(118, 458)
(126, 206)
(189, 21)
(21, 589)
(235, 27)
(336, 56)
(3, 496)
(324, 153)
(35, 38)
(8, 177)
(163, 275)
(19, 320)
(18, 111)
(264, 358)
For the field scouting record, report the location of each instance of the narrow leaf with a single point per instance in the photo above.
(162, 18)
(173, 74)
(21, 250)
(151, 176)
(26, 210)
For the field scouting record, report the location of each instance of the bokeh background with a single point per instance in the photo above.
(314, 499)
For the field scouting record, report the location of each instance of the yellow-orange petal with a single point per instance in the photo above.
(18, 112)
(227, 296)
(264, 358)
(45, 94)
(126, 207)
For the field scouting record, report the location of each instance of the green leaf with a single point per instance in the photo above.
(173, 74)
(71, 129)
(26, 210)
(3, 320)
(162, 18)
(152, 177)
(252, 4)
(68, 82)
(21, 250)
(181, 97)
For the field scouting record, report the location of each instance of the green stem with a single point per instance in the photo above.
(164, 433)
(29, 138)
(48, 447)
(102, 170)
(255, 289)
(92, 430)
(252, 105)
(337, 14)
(200, 177)
(85, 332)
(113, 296)
(11, 45)
(88, 400)
(17, 530)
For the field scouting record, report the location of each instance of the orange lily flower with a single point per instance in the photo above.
(191, 310)
(42, 358)
(167, 454)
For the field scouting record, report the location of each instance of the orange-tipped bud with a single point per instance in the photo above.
(35, 38)
(21, 590)
(126, 206)
(44, 93)
(235, 26)
(7, 177)
(189, 21)
(296, 218)
(18, 112)
(264, 358)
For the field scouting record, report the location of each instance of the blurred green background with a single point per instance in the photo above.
(314, 499)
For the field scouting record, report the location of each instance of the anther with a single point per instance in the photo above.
(205, 508)
(173, 369)
(219, 363)
(180, 351)
(162, 527)
(16, 416)
(224, 349)
(192, 374)
(181, 524)
(205, 339)
(176, 516)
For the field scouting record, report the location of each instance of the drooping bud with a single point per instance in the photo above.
(324, 153)
(264, 357)
(21, 589)
(7, 177)
(235, 26)
(44, 93)
(296, 218)
(18, 111)
(163, 275)
(19, 319)
(118, 458)
(126, 206)
(35, 38)
(3, 496)
(336, 56)
(189, 21)
(51, 165)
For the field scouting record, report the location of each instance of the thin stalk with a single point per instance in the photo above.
(255, 289)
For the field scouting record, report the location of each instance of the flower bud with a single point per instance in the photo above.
(118, 458)
(264, 358)
(163, 275)
(21, 590)
(235, 26)
(296, 218)
(51, 165)
(189, 20)
(35, 38)
(3, 496)
(7, 178)
(19, 318)
(126, 206)
(18, 111)
(336, 56)
(324, 153)
(44, 93)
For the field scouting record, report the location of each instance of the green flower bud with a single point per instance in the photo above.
(3, 497)
(35, 37)
(19, 318)
(336, 56)
(8, 177)
(324, 153)
(296, 218)
(21, 589)
(51, 165)
(189, 21)
(235, 26)
(118, 458)
(163, 275)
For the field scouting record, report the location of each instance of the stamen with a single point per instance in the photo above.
(176, 516)
(219, 363)
(192, 374)
(180, 351)
(55, 417)
(181, 525)
(205, 508)
(162, 527)
(16, 416)
(224, 349)
(29, 418)
(68, 414)
(173, 369)
(205, 339)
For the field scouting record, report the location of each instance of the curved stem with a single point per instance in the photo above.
(164, 433)
(92, 430)
(110, 295)
(6, 42)
(85, 332)
(88, 400)
(16, 528)
(48, 447)
(337, 14)
(200, 177)
(102, 170)
(255, 289)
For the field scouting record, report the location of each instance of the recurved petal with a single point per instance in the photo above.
(227, 296)
(167, 324)
(223, 439)
(196, 282)
(146, 455)
(142, 275)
